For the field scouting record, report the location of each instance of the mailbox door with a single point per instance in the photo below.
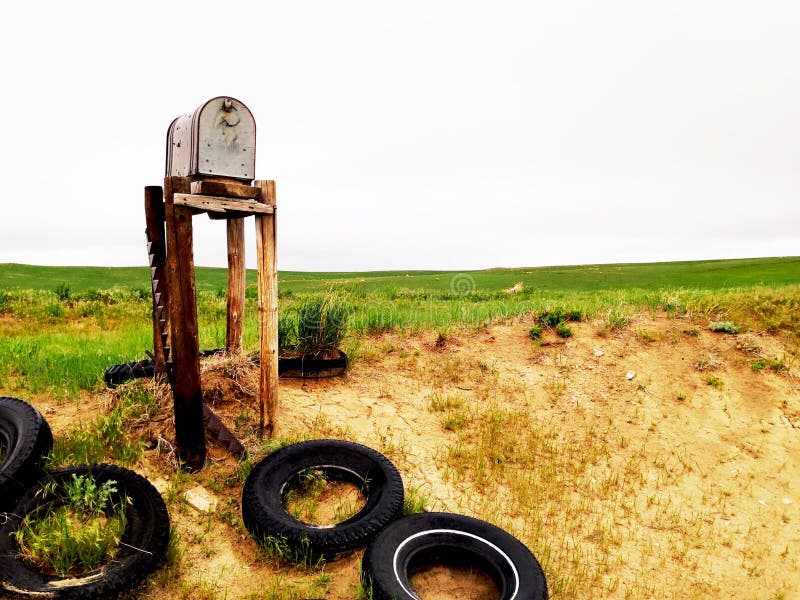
(226, 139)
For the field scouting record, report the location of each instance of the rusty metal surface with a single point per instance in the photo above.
(216, 139)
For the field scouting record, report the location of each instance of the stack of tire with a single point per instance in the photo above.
(396, 545)
(26, 440)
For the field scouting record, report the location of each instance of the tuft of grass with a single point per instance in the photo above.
(78, 536)
(287, 332)
(535, 333)
(320, 501)
(321, 322)
(414, 501)
(614, 320)
(715, 382)
(278, 549)
(445, 402)
(108, 436)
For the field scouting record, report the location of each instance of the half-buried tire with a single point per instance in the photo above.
(271, 481)
(415, 542)
(119, 374)
(141, 550)
(25, 441)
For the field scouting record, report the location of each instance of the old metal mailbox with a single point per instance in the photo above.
(218, 139)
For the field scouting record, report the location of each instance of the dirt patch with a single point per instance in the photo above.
(443, 582)
(685, 471)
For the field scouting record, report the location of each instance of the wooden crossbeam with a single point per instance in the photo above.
(227, 189)
(215, 204)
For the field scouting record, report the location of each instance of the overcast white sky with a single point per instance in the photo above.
(415, 134)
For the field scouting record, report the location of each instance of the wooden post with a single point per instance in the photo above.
(157, 251)
(236, 285)
(266, 229)
(189, 429)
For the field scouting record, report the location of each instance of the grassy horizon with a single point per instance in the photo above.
(701, 274)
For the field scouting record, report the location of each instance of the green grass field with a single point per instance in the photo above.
(61, 327)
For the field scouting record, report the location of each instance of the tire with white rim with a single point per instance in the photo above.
(413, 542)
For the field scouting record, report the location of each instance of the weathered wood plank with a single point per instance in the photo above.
(157, 250)
(266, 235)
(221, 205)
(189, 429)
(236, 285)
(230, 189)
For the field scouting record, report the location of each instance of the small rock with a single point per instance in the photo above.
(49, 410)
(630, 375)
(162, 485)
(598, 352)
(787, 501)
(200, 499)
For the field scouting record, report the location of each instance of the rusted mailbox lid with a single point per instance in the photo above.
(216, 139)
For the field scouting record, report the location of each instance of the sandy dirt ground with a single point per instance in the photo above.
(692, 487)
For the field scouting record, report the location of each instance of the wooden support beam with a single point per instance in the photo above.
(221, 205)
(157, 251)
(236, 285)
(189, 429)
(266, 230)
(228, 189)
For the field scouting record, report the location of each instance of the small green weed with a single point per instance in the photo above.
(777, 364)
(535, 333)
(715, 382)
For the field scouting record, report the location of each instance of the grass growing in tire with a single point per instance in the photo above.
(78, 536)
(323, 502)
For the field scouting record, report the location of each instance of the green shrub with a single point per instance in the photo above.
(551, 318)
(54, 310)
(535, 333)
(723, 327)
(62, 291)
(563, 331)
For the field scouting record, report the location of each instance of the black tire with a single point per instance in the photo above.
(142, 548)
(263, 509)
(119, 374)
(26, 440)
(430, 538)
